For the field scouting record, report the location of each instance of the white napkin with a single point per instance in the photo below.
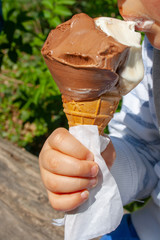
(103, 211)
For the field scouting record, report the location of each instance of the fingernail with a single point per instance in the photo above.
(94, 170)
(93, 182)
(85, 194)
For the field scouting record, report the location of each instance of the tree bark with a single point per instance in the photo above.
(25, 213)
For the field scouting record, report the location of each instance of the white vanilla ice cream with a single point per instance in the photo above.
(124, 32)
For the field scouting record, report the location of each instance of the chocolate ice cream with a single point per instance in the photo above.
(83, 59)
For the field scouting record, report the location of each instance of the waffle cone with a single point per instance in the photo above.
(94, 112)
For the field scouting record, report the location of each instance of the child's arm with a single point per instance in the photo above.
(135, 135)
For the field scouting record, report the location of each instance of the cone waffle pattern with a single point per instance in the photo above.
(94, 112)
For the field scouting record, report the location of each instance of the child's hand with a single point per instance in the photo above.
(67, 170)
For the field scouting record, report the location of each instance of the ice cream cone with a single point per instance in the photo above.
(94, 112)
(84, 69)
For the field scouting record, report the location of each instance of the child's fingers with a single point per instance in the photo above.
(61, 164)
(62, 184)
(64, 142)
(67, 202)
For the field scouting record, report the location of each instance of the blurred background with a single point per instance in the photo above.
(30, 102)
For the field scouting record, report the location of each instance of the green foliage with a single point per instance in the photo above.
(132, 207)
(96, 8)
(30, 102)
(55, 11)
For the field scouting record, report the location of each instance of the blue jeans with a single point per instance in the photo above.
(125, 231)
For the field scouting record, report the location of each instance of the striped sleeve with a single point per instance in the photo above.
(134, 133)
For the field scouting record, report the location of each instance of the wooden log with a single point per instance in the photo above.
(25, 213)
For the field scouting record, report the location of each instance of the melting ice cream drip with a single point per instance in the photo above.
(132, 72)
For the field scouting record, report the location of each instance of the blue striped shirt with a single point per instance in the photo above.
(135, 135)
